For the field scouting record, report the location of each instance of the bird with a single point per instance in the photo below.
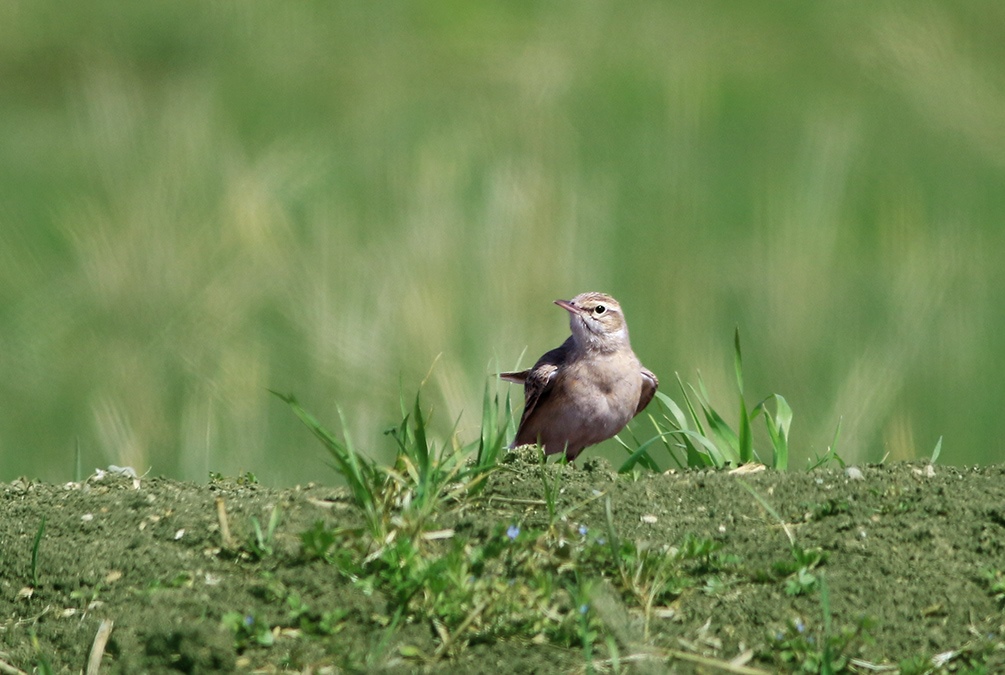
(587, 389)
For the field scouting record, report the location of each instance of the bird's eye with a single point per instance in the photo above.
(599, 309)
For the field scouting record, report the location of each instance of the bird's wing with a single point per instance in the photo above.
(649, 385)
(538, 380)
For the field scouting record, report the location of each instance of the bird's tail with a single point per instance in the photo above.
(516, 377)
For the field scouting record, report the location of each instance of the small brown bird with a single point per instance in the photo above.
(589, 388)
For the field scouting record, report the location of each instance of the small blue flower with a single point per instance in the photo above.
(583, 608)
(601, 541)
(513, 532)
(583, 530)
(800, 626)
(249, 620)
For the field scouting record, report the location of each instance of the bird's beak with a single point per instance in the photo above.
(567, 306)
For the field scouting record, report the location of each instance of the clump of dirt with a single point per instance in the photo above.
(896, 560)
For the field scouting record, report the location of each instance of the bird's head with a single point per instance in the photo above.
(597, 321)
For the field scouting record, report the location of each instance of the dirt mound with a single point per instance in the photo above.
(881, 564)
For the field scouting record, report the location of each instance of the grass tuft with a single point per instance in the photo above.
(261, 544)
(360, 473)
(706, 439)
(519, 580)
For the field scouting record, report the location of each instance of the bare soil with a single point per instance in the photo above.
(906, 545)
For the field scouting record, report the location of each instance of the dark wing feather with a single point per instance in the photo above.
(649, 385)
(537, 381)
(537, 385)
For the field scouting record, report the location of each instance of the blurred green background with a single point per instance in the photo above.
(199, 201)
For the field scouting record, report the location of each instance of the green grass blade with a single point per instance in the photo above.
(511, 419)
(695, 420)
(419, 450)
(645, 458)
(745, 442)
(274, 519)
(401, 398)
(671, 451)
(34, 552)
(672, 406)
(738, 360)
(708, 454)
(837, 434)
(778, 426)
(831, 454)
(493, 433)
(402, 435)
(641, 454)
(937, 451)
(730, 442)
(825, 602)
(491, 437)
(770, 509)
(696, 458)
(679, 421)
(486, 440)
(727, 437)
(359, 473)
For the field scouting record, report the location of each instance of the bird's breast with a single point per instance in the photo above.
(608, 391)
